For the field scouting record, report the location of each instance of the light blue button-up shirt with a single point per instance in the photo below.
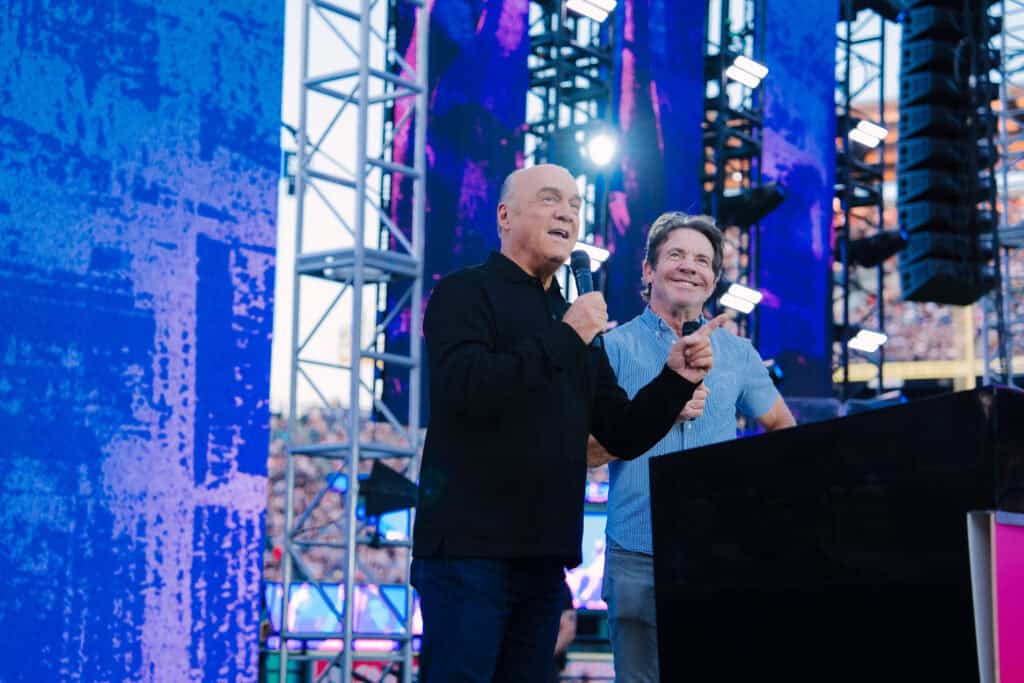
(738, 381)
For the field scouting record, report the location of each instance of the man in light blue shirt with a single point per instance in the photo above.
(681, 267)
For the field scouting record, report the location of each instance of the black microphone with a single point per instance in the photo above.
(689, 327)
(579, 263)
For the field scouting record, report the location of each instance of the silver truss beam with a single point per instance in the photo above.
(1001, 322)
(342, 189)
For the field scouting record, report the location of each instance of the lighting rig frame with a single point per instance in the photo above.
(860, 78)
(732, 126)
(569, 98)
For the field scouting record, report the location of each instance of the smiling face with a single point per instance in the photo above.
(682, 278)
(539, 219)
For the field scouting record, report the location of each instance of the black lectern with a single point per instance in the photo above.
(835, 551)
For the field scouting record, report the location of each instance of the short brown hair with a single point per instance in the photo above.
(671, 221)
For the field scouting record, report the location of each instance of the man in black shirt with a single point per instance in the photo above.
(515, 388)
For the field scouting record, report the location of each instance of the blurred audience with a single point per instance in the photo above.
(318, 480)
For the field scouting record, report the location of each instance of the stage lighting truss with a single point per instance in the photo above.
(862, 240)
(1002, 319)
(732, 187)
(569, 97)
(357, 267)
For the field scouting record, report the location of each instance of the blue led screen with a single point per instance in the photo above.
(139, 167)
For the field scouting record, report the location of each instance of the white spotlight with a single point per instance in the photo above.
(751, 67)
(858, 135)
(734, 302)
(746, 78)
(601, 149)
(745, 293)
(873, 129)
(590, 9)
(867, 341)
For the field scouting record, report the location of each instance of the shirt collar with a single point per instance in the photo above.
(654, 321)
(509, 270)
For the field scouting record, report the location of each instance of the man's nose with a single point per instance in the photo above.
(565, 215)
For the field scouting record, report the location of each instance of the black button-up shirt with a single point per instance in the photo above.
(514, 392)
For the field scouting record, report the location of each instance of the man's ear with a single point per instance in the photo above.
(502, 217)
(646, 272)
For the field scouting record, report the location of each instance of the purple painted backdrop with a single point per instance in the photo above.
(659, 104)
(478, 84)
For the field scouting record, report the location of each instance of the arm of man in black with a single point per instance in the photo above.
(631, 428)
(628, 429)
(471, 373)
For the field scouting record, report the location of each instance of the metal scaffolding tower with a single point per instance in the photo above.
(568, 99)
(348, 247)
(860, 78)
(733, 118)
(1003, 319)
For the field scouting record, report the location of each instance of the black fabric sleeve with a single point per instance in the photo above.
(460, 330)
(628, 429)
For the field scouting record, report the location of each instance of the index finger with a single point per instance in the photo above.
(717, 322)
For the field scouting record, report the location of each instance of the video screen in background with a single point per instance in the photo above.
(585, 581)
(380, 610)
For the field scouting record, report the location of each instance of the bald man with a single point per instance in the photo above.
(515, 387)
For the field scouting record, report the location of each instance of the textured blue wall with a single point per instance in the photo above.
(799, 152)
(658, 98)
(138, 186)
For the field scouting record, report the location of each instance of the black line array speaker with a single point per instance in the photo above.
(945, 188)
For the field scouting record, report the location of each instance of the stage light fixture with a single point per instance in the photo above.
(857, 135)
(745, 293)
(750, 205)
(741, 76)
(736, 303)
(867, 341)
(740, 298)
(750, 66)
(746, 71)
(868, 134)
(597, 10)
(601, 149)
(868, 252)
(872, 129)
(386, 490)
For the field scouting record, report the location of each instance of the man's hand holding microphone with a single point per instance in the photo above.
(588, 315)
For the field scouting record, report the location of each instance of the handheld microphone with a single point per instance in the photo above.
(689, 327)
(579, 263)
